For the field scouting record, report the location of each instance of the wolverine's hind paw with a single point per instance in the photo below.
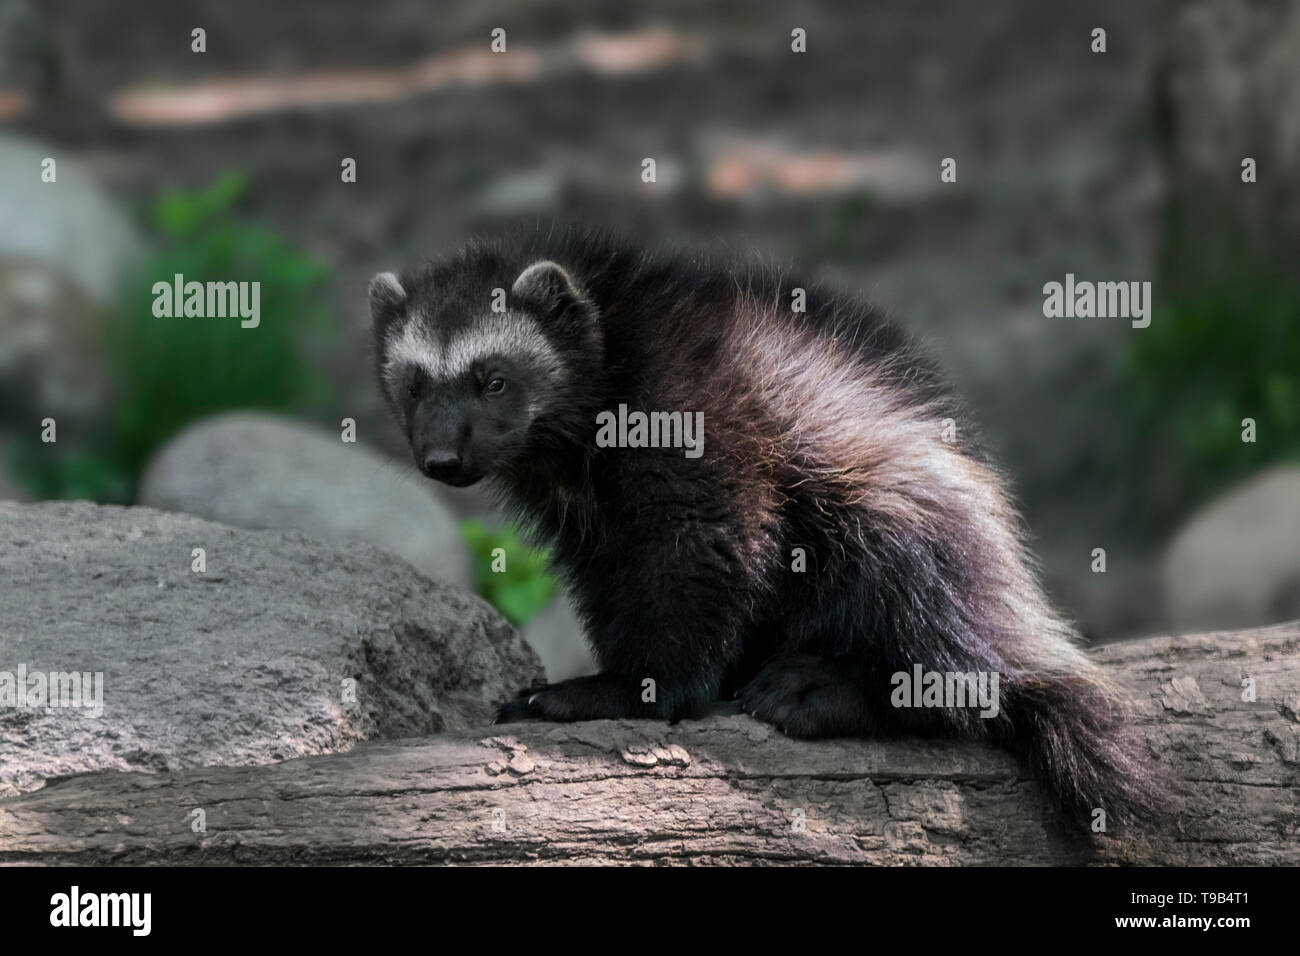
(805, 696)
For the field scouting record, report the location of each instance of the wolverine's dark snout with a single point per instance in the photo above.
(441, 436)
(445, 465)
(441, 465)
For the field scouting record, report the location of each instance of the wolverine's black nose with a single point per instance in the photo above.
(441, 465)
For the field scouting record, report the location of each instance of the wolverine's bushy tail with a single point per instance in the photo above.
(1076, 732)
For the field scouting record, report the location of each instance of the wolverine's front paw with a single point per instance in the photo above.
(596, 697)
(521, 707)
(513, 711)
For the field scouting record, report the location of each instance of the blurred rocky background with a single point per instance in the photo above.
(1123, 165)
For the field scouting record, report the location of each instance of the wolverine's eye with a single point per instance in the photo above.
(496, 386)
(416, 383)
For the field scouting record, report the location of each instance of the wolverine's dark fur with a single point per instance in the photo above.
(823, 431)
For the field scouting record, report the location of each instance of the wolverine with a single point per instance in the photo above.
(840, 527)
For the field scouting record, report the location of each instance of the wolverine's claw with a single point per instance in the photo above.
(521, 707)
(512, 711)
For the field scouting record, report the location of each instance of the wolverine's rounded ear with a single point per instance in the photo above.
(549, 286)
(387, 298)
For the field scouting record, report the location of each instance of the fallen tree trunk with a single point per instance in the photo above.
(724, 789)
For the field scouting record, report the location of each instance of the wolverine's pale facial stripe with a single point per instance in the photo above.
(514, 336)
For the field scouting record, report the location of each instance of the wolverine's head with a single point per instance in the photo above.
(473, 368)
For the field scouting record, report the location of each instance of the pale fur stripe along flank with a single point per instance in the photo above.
(847, 423)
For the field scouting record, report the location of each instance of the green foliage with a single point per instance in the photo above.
(57, 471)
(1222, 348)
(524, 587)
(176, 370)
(180, 214)
(169, 372)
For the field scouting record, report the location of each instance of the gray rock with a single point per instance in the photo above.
(64, 252)
(1236, 563)
(52, 360)
(69, 225)
(253, 470)
(245, 663)
(557, 636)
